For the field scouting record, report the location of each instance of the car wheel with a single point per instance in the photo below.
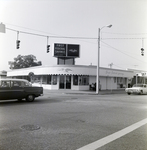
(129, 93)
(30, 98)
(141, 92)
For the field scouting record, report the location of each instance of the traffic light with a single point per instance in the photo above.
(142, 51)
(48, 48)
(17, 44)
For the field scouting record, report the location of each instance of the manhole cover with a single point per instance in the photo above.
(30, 127)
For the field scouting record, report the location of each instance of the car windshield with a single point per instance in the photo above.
(27, 84)
(138, 85)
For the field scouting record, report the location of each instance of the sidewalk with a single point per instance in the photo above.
(102, 92)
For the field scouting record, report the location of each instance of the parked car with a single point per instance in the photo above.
(137, 89)
(18, 89)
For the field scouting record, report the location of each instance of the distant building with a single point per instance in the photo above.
(3, 74)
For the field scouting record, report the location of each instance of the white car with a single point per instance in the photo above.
(137, 89)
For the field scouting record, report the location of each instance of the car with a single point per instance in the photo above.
(19, 89)
(137, 89)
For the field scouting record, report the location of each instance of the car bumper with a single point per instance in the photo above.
(133, 92)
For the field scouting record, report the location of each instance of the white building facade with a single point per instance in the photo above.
(74, 77)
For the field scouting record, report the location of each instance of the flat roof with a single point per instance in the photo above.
(70, 70)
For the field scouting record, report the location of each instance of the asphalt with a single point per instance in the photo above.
(102, 92)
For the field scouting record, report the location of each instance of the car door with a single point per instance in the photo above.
(5, 91)
(145, 89)
(17, 90)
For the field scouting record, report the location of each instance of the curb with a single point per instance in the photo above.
(107, 92)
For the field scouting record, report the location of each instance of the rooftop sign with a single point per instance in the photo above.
(66, 50)
(59, 50)
(72, 50)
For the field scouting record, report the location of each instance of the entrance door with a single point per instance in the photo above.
(68, 82)
(65, 82)
(62, 81)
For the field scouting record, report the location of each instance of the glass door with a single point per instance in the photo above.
(61, 83)
(65, 82)
(68, 81)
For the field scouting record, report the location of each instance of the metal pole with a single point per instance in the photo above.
(136, 78)
(98, 63)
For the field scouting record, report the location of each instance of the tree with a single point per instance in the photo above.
(24, 62)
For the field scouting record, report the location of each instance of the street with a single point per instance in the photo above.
(70, 121)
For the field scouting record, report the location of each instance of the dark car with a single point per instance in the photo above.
(18, 89)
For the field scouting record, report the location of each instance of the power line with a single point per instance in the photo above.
(126, 33)
(51, 36)
(123, 38)
(122, 52)
(29, 28)
(70, 37)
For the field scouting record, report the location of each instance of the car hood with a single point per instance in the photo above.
(133, 88)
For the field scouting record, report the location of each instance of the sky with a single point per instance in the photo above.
(121, 44)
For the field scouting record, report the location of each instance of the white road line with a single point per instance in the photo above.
(99, 143)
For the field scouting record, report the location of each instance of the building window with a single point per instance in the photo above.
(83, 80)
(49, 77)
(61, 61)
(114, 79)
(54, 79)
(69, 61)
(44, 79)
(37, 79)
(66, 61)
(75, 80)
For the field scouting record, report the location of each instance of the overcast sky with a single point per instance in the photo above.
(120, 44)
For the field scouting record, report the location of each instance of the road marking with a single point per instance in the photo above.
(99, 143)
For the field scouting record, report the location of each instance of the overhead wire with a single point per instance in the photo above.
(122, 52)
(69, 37)
(126, 33)
(83, 38)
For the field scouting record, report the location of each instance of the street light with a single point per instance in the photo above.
(98, 61)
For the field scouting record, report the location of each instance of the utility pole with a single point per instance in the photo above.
(2, 28)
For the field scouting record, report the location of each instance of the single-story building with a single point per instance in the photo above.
(74, 77)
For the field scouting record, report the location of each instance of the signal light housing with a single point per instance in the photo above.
(48, 48)
(17, 44)
(142, 51)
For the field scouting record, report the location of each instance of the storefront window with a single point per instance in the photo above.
(37, 79)
(49, 79)
(44, 79)
(83, 80)
(75, 80)
(114, 79)
(54, 79)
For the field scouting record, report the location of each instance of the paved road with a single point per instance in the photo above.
(66, 120)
